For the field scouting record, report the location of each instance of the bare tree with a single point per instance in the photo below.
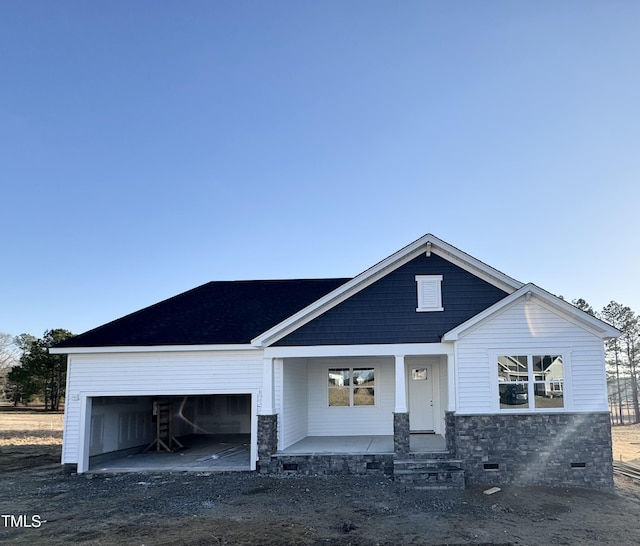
(8, 359)
(623, 351)
(631, 339)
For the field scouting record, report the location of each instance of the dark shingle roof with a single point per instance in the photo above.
(227, 312)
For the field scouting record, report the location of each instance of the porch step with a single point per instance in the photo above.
(422, 455)
(429, 473)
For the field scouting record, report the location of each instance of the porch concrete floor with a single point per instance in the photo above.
(201, 454)
(326, 445)
(427, 443)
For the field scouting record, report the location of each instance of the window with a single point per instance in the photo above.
(532, 381)
(351, 386)
(429, 292)
(548, 381)
(419, 374)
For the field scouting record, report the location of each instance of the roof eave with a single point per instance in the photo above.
(152, 348)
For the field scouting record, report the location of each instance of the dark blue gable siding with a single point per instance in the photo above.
(385, 312)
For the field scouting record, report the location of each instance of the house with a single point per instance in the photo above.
(431, 366)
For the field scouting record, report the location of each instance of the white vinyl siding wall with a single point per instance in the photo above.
(323, 420)
(141, 374)
(293, 415)
(278, 386)
(522, 328)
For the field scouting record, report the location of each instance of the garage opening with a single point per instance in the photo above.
(166, 433)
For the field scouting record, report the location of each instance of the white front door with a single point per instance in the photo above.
(421, 408)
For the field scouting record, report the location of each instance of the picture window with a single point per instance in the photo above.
(531, 381)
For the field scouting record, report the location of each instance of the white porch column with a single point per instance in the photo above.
(267, 406)
(452, 399)
(84, 442)
(401, 386)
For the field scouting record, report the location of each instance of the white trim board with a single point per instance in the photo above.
(152, 349)
(404, 349)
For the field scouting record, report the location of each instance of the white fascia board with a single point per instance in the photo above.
(547, 300)
(152, 349)
(575, 315)
(404, 349)
(481, 270)
(474, 266)
(379, 270)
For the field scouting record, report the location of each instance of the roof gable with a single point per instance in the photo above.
(385, 312)
(553, 303)
(427, 245)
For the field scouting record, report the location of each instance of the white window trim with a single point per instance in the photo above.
(351, 386)
(567, 386)
(436, 280)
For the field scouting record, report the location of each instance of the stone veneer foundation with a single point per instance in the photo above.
(534, 448)
(568, 449)
(267, 442)
(401, 435)
(334, 464)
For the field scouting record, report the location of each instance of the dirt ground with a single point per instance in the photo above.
(245, 508)
(626, 443)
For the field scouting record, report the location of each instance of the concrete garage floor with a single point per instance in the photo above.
(202, 453)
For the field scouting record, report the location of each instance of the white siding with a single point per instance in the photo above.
(278, 385)
(131, 374)
(323, 420)
(530, 326)
(293, 417)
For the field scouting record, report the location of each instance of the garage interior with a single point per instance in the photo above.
(170, 433)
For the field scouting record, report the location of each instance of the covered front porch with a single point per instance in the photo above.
(389, 401)
(428, 458)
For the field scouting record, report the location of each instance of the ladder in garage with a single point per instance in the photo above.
(164, 438)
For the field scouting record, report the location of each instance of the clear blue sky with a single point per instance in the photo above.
(147, 147)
